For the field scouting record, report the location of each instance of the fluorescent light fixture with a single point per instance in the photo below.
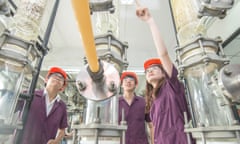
(127, 2)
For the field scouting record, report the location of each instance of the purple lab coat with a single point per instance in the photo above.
(167, 112)
(135, 118)
(39, 127)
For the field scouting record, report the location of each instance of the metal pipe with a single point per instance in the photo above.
(123, 122)
(82, 13)
(13, 4)
(203, 138)
(50, 24)
(237, 136)
(231, 38)
(44, 50)
(186, 124)
(123, 137)
(174, 22)
(189, 100)
(96, 136)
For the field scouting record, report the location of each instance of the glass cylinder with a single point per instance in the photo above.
(19, 58)
(187, 23)
(12, 80)
(105, 21)
(3, 23)
(208, 107)
(28, 18)
(26, 23)
(199, 61)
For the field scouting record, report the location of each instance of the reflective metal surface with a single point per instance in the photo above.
(229, 81)
(99, 90)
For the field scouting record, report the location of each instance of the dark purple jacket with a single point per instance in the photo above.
(39, 128)
(135, 118)
(167, 112)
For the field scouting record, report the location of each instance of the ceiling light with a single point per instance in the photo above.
(127, 2)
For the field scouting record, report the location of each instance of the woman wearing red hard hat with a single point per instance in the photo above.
(165, 99)
(47, 115)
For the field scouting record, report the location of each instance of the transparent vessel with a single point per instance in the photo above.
(12, 81)
(25, 24)
(105, 21)
(200, 61)
(28, 18)
(187, 23)
(19, 57)
(210, 109)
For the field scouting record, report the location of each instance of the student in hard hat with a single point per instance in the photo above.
(165, 99)
(134, 110)
(47, 114)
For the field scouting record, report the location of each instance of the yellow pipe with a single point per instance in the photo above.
(82, 13)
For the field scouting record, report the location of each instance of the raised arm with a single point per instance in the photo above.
(144, 14)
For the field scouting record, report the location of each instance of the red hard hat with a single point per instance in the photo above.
(57, 70)
(131, 74)
(152, 61)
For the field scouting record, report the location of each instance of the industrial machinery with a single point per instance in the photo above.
(21, 55)
(99, 81)
(212, 84)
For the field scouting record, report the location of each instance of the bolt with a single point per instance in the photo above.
(227, 72)
(81, 86)
(112, 86)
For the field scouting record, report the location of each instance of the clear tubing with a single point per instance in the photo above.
(187, 23)
(106, 21)
(11, 83)
(208, 106)
(28, 18)
(25, 26)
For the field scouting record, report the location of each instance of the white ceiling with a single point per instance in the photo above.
(65, 42)
(66, 49)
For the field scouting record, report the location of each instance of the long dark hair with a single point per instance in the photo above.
(152, 93)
